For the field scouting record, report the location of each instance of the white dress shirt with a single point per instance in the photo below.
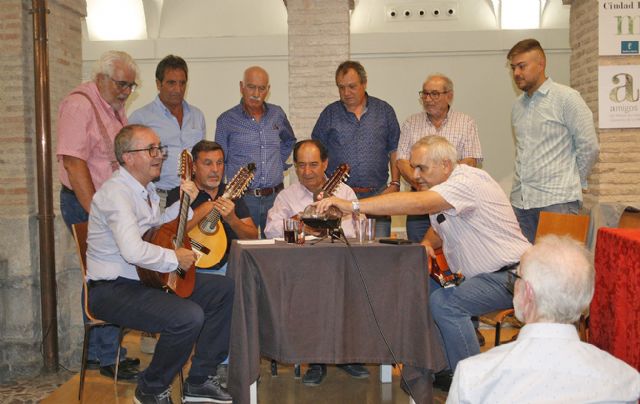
(547, 364)
(121, 212)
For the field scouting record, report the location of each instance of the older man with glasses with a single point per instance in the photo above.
(88, 120)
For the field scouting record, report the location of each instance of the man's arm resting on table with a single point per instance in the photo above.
(80, 180)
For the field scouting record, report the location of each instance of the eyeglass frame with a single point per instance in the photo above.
(512, 277)
(123, 85)
(435, 95)
(164, 151)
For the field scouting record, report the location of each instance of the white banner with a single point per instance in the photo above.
(619, 27)
(618, 96)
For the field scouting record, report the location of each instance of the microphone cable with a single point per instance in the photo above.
(375, 317)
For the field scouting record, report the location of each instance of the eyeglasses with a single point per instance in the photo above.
(154, 151)
(512, 276)
(123, 85)
(253, 87)
(435, 95)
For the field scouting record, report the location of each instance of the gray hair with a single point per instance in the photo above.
(448, 84)
(124, 140)
(105, 64)
(438, 149)
(560, 273)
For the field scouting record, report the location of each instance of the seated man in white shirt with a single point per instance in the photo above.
(311, 160)
(548, 363)
(122, 210)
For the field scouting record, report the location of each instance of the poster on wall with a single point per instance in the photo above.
(619, 27)
(619, 96)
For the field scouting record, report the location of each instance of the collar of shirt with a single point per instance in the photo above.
(167, 112)
(265, 108)
(364, 110)
(119, 114)
(148, 192)
(542, 90)
(548, 330)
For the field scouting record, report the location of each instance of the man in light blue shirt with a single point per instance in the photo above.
(556, 142)
(179, 125)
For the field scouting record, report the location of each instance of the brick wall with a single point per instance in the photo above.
(20, 321)
(615, 175)
(318, 43)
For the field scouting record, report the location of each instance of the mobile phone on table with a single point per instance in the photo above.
(395, 241)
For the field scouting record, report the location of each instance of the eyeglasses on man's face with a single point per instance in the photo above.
(154, 151)
(123, 85)
(512, 277)
(435, 95)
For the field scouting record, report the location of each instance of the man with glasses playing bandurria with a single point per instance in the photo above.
(255, 131)
(124, 209)
(88, 120)
(548, 363)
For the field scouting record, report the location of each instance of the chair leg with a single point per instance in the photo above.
(296, 371)
(498, 327)
(115, 376)
(83, 362)
(181, 384)
(274, 368)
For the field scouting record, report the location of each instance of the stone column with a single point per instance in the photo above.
(20, 321)
(615, 175)
(318, 43)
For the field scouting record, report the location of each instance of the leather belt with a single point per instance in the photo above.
(93, 283)
(362, 190)
(266, 191)
(67, 190)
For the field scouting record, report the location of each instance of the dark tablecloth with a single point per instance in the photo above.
(307, 304)
(614, 323)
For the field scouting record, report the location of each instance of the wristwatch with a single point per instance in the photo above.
(355, 206)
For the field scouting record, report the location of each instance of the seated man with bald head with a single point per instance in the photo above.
(548, 363)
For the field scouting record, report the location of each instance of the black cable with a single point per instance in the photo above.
(375, 318)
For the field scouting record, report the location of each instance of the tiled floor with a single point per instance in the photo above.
(34, 389)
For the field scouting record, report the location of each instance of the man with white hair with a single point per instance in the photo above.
(88, 120)
(548, 363)
(474, 224)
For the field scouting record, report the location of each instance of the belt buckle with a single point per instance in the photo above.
(256, 192)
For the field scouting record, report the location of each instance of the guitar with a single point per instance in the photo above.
(172, 235)
(209, 233)
(441, 273)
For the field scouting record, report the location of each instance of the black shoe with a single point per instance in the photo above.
(209, 392)
(143, 398)
(355, 370)
(314, 375)
(443, 380)
(124, 372)
(404, 387)
(222, 372)
(94, 364)
(480, 337)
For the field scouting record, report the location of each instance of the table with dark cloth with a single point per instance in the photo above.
(614, 324)
(307, 304)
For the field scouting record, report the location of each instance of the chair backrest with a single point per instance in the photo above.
(630, 219)
(80, 231)
(561, 224)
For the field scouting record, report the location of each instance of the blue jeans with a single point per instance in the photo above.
(383, 223)
(452, 309)
(528, 218)
(259, 207)
(222, 271)
(103, 341)
(417, 226)
(203, 319)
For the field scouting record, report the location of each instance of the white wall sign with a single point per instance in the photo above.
(619, 96)
(619, 27)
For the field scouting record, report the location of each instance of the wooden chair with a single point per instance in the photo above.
(80, 231)
(574, 226)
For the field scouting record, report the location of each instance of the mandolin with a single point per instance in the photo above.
(441, 273)
(173, 235)
(209, 233)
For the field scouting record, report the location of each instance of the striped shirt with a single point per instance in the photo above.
(480, 234)
(267, 143)
(556, 146)
(458, 128)
(364, 144)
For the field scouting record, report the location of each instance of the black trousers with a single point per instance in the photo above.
(202, 319)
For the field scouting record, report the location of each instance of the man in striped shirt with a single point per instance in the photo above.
(556, 142)
(474, 224)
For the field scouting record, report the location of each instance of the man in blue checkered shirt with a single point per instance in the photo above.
(257, 132)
